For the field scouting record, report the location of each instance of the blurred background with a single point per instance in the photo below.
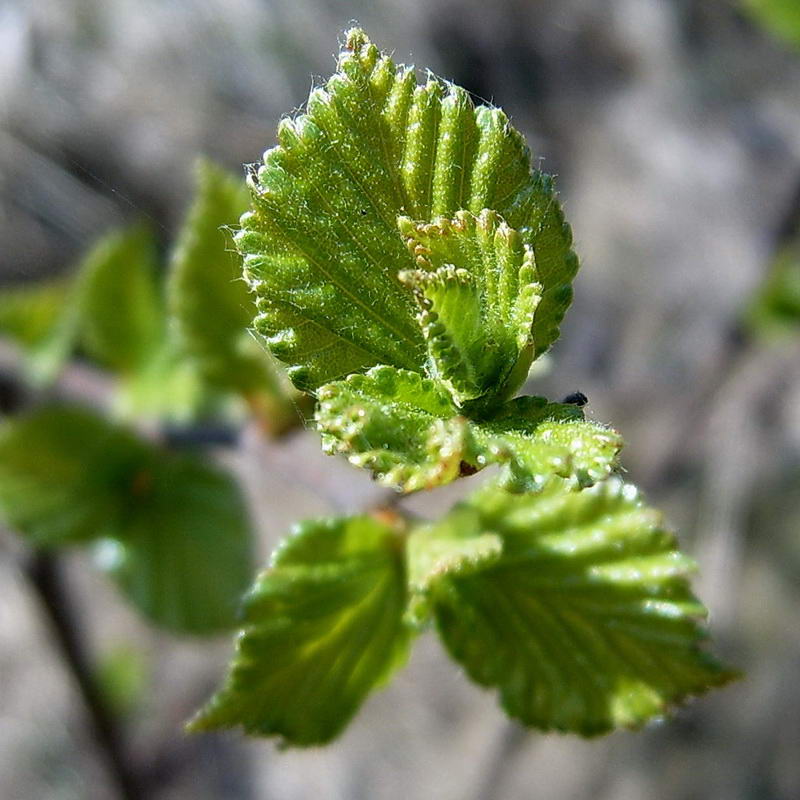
(674, 130)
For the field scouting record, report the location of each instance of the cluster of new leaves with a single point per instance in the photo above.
(172, 530)
(574, 605)
(408, 266)
(167, 341)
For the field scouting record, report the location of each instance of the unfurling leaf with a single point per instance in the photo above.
(476, 286)
(323, 627)
(172, 530)
(407, 431)
(209, 300)
(324, 253)
(584, 622)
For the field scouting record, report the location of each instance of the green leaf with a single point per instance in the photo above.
(780, 17)
(406, 430)
(776, 307)
(111, 307)
(321, 246)
(476, 286)
(323, 627)
(538, 439)
(41, 320)
(122, 312)
(399, 425)
(168, 387)
(455, 545)
(585, 623)
(27, 312)
(209, 301)
(183, 557)
(66, 476)
(122, 677)
(174, 531)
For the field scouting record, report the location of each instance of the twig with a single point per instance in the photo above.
(44, 574)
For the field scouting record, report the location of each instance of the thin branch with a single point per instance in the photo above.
(44, 574)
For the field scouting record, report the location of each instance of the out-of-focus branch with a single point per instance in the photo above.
(44, 574)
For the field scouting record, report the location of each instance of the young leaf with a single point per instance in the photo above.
(323, 627)
(183, 556)
(208, 299)
(112, 307)
(399, 425)
(537, 439)
(406, 430)
(476, 317)
(321, 246)
(66, 476)
(42, 320)
(585, 622)
(174, 531)
(167, 387)
(455, 545)
(776, 306)
(780, 17)
(27, 312)
(122, 311)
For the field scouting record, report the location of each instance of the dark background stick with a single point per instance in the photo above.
(45, 575)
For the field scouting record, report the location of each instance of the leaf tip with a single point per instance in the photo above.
(355, 40)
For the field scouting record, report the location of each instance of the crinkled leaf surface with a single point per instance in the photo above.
(399, 425)
(476, 286)
(457, 545)
(406, 430)
(321, 246)
(323, 627)
(585, 622)
(174, 531)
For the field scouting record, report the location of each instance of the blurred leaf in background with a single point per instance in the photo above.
(780, 17)
(174, 531)
(775, 309)
(123, 314)
(212, 306)
(43, 320)
(124, 327)
(180, 350)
